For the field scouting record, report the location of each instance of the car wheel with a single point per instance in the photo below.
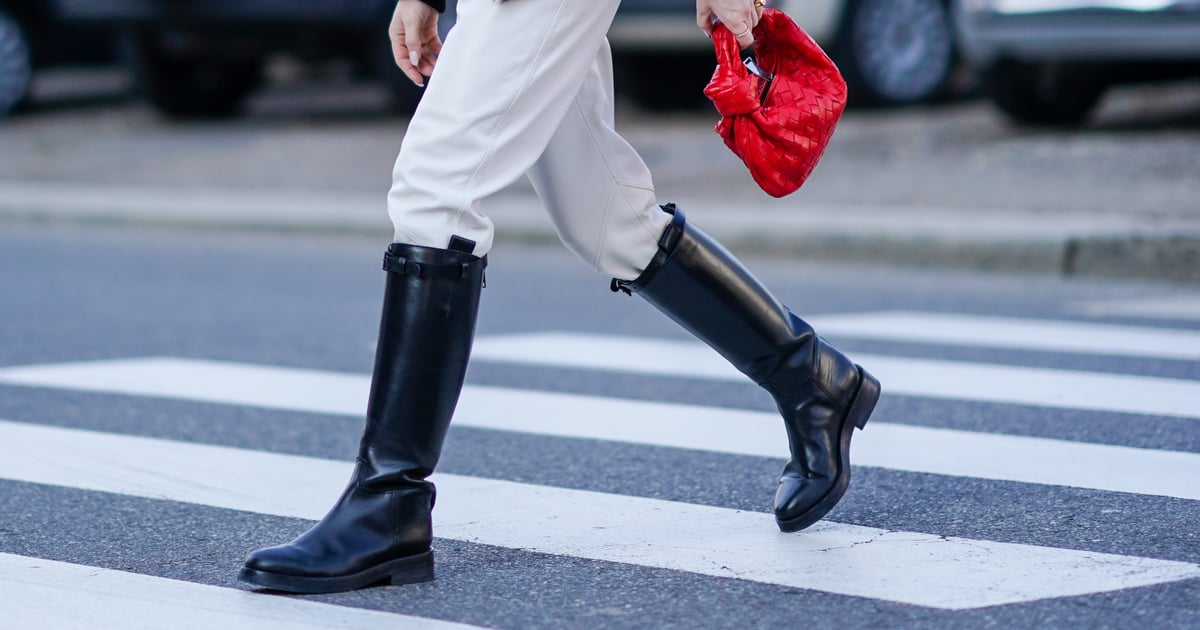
(190, 84)
(896, 51)
(1043, 94)
(664, 82)
(16, 64)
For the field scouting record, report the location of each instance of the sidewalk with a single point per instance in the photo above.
(1084, 244)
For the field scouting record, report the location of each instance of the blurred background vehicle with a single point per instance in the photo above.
(203, 58)
(891, 51)
(33, 36)
(1050, 62)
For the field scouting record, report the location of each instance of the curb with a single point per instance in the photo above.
(1166, 258)
(1174, 258)
(1103, 246)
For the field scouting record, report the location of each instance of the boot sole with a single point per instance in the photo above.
(860, 411)
(408, 570)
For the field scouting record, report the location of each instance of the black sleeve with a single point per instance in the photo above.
(440, 5)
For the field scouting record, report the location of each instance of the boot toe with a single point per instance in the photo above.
(797, 495)
(283, 559)
(284, 568)
(267, 559)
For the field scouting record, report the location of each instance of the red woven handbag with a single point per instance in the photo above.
(778, 126)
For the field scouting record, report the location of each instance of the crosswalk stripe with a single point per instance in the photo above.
(912, 568)
(1015, 333)
(885, 445)
(950, 380)
(36, 593)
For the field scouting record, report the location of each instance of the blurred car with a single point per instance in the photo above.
(32, 36)
(890, 51)
(1049, 62)
(203, 57)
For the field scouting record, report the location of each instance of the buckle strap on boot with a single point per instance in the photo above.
(666, 245)
(394, 263)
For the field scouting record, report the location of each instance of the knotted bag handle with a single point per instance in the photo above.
(734, 89)
(729, 52)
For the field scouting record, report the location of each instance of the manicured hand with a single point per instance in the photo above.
(739, 16)
(415, 41)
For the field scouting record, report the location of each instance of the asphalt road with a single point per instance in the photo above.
(1059, 490)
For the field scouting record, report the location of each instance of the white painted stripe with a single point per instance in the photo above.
(906, 567)
(951, 380)
(37, 593)
(1023, 334)
(892, 446)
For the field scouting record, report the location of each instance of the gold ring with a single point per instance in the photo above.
(758, 4)
(743, 34)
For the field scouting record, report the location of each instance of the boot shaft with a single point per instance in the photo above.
(702, 287)
(425, 334)
(820, 393)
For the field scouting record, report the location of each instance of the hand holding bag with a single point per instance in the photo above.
(778, 125)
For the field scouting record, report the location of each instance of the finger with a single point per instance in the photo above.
(400, 53)
(428, 61)
(412, 73)
(744, 35)
(400, 56)
(704, 19)
(430, 51)
(412, 41)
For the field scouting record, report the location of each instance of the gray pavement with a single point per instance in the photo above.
(312, 302)
(949, 186)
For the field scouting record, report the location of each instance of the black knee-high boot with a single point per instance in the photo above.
(380, 528)
(821, 394)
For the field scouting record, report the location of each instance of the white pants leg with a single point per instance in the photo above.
(519, 83)
(596, 187)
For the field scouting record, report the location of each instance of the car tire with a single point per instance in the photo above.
(1042, 94)
(895, 52)
(664, 82)
(16, 64)
(189, 85)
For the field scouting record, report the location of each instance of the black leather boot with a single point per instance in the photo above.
(821, 394)
(380, 528)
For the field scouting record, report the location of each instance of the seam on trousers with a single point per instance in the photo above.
(641, 218)
(602, 237)
(533, 65)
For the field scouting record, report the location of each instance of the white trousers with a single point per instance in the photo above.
(524, 87)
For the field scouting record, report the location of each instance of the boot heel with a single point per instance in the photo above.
(418, 568)
(864, 399)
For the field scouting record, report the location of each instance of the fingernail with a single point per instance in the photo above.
(414, 57)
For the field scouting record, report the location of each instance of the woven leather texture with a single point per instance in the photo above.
(781, 137)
